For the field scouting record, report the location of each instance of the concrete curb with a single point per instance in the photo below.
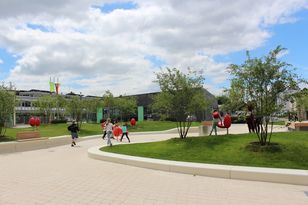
(41, 143)
(287, 176)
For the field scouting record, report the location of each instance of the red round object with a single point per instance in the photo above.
(37, 121)
(32, 121)
(117, 131)
(215, 115)
(133, 122)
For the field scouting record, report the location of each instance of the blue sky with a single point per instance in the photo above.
(8, 61)
(109, 7)
(93, 47)
(292, 36)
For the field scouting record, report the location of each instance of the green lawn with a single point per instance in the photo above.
(280, 123)
(52, 130)
(155, 126)
(226, 149)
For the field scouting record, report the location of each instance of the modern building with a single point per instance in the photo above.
(26, 106)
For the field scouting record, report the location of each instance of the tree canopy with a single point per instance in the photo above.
(7, 106)
(260, 82)
(181, 96)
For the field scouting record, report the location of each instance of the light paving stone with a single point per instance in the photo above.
(7, 147)
(66, 175)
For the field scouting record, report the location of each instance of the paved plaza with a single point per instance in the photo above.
(66, 175)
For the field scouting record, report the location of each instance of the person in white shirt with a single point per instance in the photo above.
(108, 128)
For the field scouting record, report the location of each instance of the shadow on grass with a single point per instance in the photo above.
(6, 139)
(271, 148)
(209, 142)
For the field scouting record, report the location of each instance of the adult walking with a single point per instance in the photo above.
(216, 119)
(109, 127)
(103, 125)
(250, 120)
(73, 128)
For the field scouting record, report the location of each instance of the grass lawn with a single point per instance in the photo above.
(155, 126)
(280, 123)
(52, 130)
(225, 149)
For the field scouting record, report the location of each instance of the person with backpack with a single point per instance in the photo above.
(73, 128)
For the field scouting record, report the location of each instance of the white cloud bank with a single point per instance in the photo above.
(91, 51)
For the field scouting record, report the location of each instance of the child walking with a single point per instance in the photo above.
(124, 132)
(73, 128)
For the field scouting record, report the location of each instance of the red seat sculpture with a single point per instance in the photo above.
(226, 123)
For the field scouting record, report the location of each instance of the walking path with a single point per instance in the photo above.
(66, 175)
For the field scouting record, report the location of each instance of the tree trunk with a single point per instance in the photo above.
(183, 128)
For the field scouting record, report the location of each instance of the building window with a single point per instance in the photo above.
(26, 104)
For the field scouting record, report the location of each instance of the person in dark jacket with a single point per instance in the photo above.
(73, 128)
(250, 120)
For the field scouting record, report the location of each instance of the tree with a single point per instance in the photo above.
(108, 101)
(127, 107)
(181, 96)
(74, 107)
(46, 104)
(260, 82)
(90, 106)
(235, 95)
(7, 106)
(60, 104)
(301, 99)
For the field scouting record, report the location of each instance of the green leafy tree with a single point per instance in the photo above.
(181, 96)
(74, 107)
(260, 82)
(127, 107)
(90, 106)
(236, 96)
(108, 102)
(301, 99)
(7, 106)
(46, 104)
(60, 105)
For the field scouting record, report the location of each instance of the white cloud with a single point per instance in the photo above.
(1, 61)
(106, 51)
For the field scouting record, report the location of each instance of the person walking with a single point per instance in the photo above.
(216, 119)
(109, 127)
(250, 120)
(124, 132)
(73, 128)
(103, 125)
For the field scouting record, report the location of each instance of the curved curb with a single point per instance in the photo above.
(287, 176)
(42, 143)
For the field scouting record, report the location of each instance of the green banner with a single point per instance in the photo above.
(99, 115)
(140, 113)
(52, 86)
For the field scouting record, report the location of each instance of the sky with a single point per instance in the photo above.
(92, 46)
